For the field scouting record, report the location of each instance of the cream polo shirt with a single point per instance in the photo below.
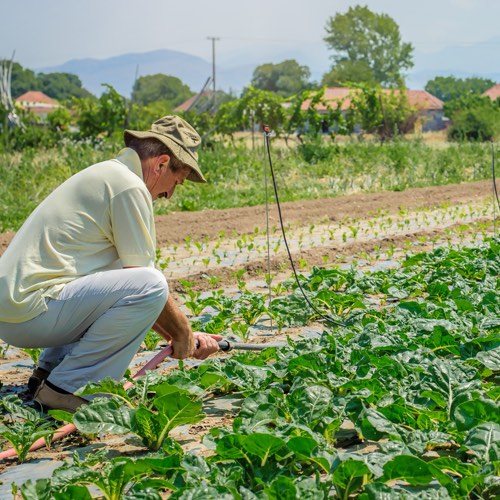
(99, 219)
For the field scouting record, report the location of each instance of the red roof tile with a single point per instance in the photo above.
(187, 104)
(419, 99)
(493, 93)
(36, 97)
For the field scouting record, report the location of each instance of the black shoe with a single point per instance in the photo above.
(37, 377)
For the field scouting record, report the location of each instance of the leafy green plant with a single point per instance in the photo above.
(151, 340)
(151, 420)
(24, 427)
(33, 353)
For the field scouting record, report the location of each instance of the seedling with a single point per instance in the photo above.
(151, 340)
(33, 353)
(26, 425)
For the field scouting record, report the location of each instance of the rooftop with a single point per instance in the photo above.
(35, 96)
(419, 99)
(493, 93)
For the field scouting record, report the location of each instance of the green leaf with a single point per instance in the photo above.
(41, 489)
(263, 445)
(144, 423)
(306, 449)
(62, 416)
(380, 491)
(454, 466)
(407, 468)
(349, 477)
(374, 425)
(282, 488)
(471, 413)
(449, 383)
(178, 408)
(72, 492)
(105, 386)
(484, 441)
(14, 405)
(309, 402)
(230, 447)
(490, 359)
(246, 377)
(397, 293)
(103, 415)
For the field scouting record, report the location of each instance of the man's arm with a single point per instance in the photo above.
(173, 325)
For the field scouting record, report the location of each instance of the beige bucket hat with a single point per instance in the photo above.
(179, 137)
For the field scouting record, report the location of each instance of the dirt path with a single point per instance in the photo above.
(176, 227)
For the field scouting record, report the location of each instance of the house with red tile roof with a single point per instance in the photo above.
(37, 102)
(193, 100)
(493, 93)
(428, 107)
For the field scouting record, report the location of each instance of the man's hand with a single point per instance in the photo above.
(173, 325)
(208, 344)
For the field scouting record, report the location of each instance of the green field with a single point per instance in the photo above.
(235, 173)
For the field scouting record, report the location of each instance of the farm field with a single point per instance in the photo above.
(398, 399)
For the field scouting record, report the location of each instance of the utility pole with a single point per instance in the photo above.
(214, 39)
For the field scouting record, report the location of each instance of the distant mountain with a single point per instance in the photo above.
(120, 71)
(235, 67)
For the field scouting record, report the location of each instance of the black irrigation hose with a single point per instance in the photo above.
(267, 134)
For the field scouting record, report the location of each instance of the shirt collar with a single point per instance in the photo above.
(131, 160)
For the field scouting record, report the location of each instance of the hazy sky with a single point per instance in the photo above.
(50, 32)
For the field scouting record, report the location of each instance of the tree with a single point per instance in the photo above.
(382, 112)
(448, 88)
(151, 88)
(474, 118)
(286, 78)
(61, 86)
(22, 80)
(360, 35)
(105, 115)
(261, 107)
(346, 72)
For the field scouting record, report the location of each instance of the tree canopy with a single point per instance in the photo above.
(61, 86)
(285, 78)
(159, 87)
(448, 88)
(349, 71)
(22, 80)
(367, 47)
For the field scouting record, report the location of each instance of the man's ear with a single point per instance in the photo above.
(163, 160)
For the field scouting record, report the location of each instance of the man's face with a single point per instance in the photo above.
(160, 180)
(170, 180)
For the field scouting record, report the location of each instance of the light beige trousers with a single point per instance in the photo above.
(95, 326)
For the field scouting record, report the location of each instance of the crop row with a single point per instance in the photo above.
(203, 255)
(414, 368)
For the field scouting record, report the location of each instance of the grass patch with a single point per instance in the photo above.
(236, 173)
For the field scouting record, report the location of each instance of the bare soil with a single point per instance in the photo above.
(176, 227)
